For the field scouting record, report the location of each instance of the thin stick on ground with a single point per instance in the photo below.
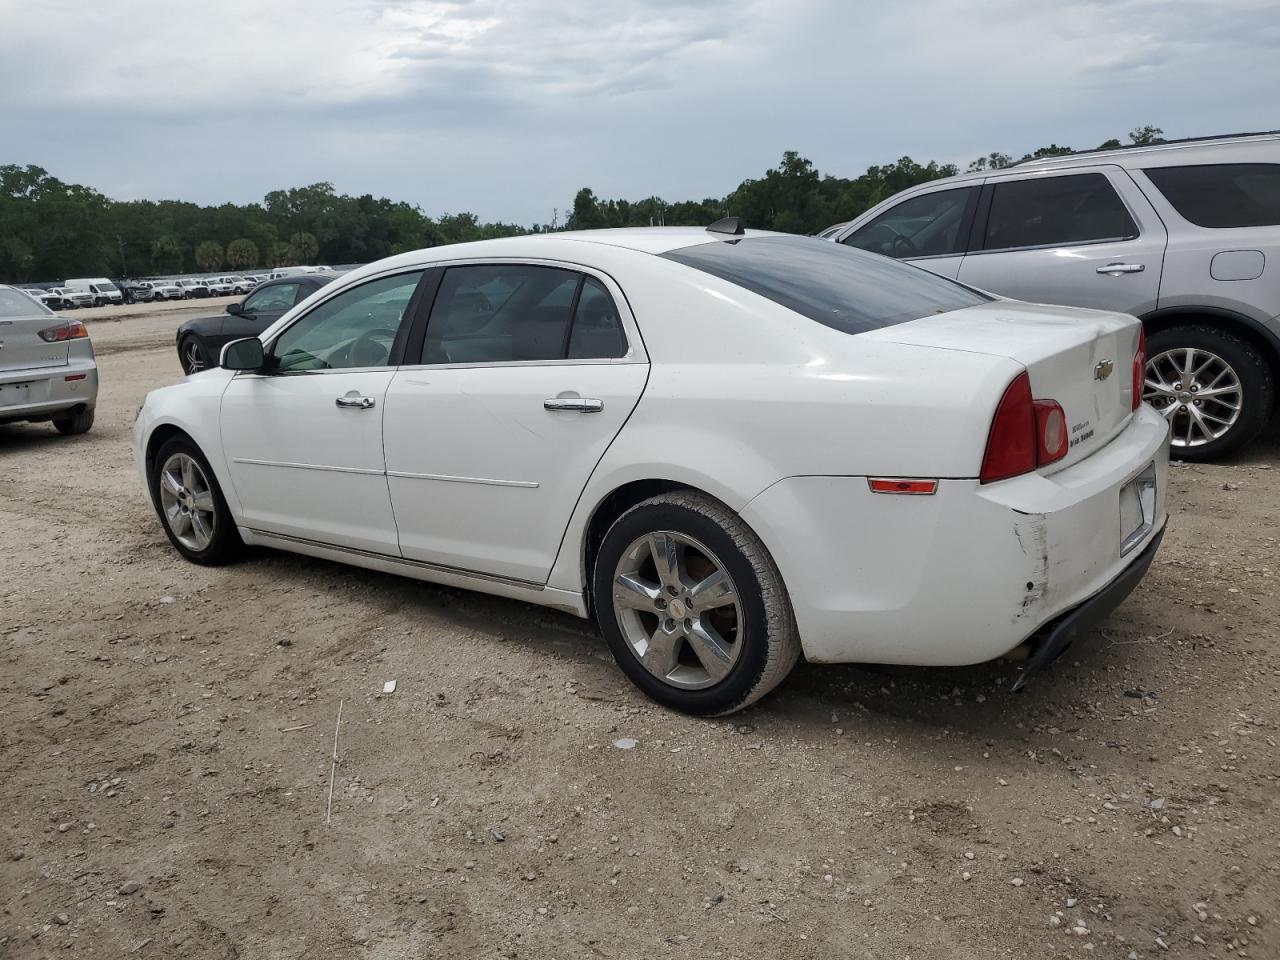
(333, 767)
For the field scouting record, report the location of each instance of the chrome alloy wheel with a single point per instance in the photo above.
(678, 609)
(186, 499)
(1197, 391)
(193, 357)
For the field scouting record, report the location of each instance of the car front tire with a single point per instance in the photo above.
(692, 606)
(193, 355)
(1214, 388)
(79, 422)
(191, 506)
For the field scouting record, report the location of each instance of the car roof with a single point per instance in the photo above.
(1238, 148)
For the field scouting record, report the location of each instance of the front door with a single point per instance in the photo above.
(1083, 239)
(303, 440)
(524, 377)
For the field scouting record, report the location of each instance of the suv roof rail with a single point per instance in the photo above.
(1146, 146)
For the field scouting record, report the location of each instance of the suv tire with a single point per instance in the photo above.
(1204, 428)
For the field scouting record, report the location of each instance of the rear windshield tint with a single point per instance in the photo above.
(838, 286)
(15, 303)
(1222, 195)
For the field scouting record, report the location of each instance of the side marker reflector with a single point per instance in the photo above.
(919, 488)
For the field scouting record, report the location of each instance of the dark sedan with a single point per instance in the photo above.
(200, 341)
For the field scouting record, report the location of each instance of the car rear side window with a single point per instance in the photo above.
(1222, 195)
(1056, 211)
(514, 312)
(14, 303)
(838, 286)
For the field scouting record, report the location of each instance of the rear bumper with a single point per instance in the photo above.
(967, 574)
(1053, 640)
(48, 392)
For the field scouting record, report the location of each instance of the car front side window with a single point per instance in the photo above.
(275, 299)
(356, 328)
(928, 225)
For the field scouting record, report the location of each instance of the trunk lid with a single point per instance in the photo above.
(1083, 359)
(21, 346)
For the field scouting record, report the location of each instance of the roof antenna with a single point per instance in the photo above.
(729, 225)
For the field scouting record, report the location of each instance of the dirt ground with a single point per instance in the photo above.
(166, 733)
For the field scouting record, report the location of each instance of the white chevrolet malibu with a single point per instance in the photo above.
(730, 448)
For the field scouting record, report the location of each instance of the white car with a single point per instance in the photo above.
(729, 447)
(72, 298)
(166, 290)
(220, 286)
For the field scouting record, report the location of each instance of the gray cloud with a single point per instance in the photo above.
(507, 107)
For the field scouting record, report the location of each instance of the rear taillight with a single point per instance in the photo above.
(1140, 368)
(67, 330)
(1025, 433)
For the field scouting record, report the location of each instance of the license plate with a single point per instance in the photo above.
(13, 394)
(1137, 508)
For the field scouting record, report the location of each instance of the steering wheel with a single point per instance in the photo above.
(366, 351)
(902, 246)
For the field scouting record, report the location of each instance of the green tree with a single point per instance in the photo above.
(242, 254)
(1146, 136)
(209, 256)
(166, 254)
(303, 247)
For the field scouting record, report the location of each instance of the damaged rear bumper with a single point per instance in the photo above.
(1054, 638)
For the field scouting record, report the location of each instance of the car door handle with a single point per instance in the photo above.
(360, 403)
(1115, 269)
(578, 404)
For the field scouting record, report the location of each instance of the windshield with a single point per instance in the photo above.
(838, 286)
(17, 303)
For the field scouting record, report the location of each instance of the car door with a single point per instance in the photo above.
(524, 374)
(1083, 238)
(303, 439)
(929, 228)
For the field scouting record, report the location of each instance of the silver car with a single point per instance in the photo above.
(1184, 235)
(47, 369)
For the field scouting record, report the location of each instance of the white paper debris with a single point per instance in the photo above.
(389, 687)
(625, 743)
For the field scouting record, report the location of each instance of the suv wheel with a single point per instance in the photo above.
(1215, 390)
(692, 606)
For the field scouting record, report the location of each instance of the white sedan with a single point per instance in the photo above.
(730, 448)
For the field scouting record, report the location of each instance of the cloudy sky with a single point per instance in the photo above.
(507, 107)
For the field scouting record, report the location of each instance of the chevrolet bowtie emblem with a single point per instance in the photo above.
(1103, 370)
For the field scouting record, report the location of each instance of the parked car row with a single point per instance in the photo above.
(101, 291)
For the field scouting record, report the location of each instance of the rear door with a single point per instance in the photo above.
(929, 228)
(21, 346)
(1084, 238)
(507, 401)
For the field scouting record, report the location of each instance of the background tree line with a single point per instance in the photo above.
(50, 230)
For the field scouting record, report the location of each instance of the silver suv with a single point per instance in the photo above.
(1184, 235)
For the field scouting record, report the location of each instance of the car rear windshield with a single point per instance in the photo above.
(1222, 195)
(15, 303)
(841, 287)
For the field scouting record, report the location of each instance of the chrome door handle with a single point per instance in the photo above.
(578, 404)
(1115, 269)
(360, 403)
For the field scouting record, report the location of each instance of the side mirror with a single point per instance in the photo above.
(243, 354)
(233, 309)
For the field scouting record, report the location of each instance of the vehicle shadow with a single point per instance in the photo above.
(17, 437)
(866, 701)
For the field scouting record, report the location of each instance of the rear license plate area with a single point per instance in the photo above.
(14, 394)
(1137, 508)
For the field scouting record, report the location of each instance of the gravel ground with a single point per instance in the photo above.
(167, 734)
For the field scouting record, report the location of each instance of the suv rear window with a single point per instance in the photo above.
(838, 286)
(1222, 195)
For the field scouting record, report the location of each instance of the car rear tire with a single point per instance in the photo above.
(191, 507)
(193, 355)
(79, 422)
(1214, 388)
(692, 605)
